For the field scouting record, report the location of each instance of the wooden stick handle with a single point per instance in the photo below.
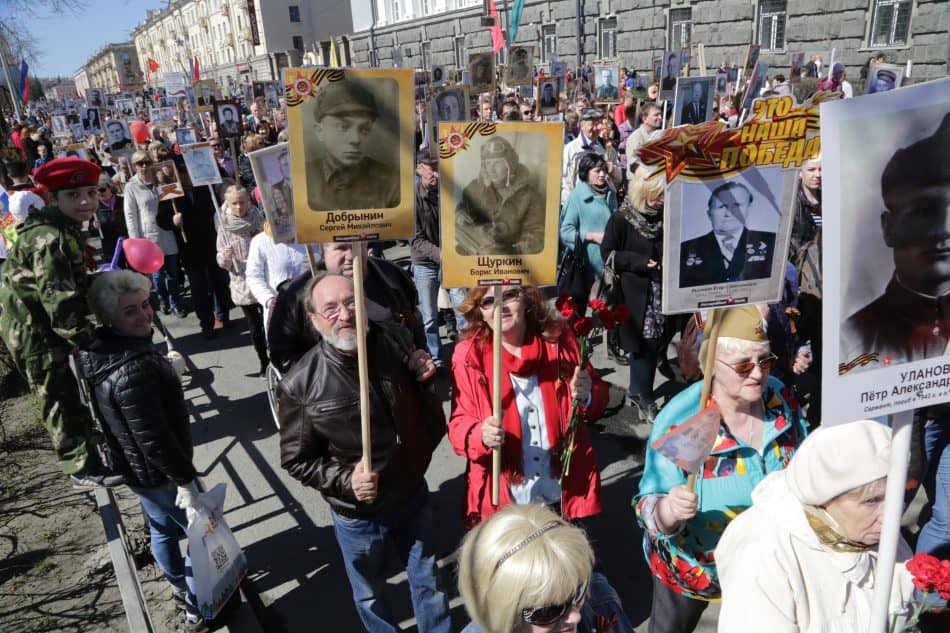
(312, 260)
(180, 228)
(359, 248)
(496, 393)
(710, 337)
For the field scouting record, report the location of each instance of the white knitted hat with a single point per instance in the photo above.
(836, 459)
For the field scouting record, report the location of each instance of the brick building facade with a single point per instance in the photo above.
(633, 32)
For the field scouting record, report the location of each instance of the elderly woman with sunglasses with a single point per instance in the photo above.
(141, 220)
(759, 431)
(541, 377)
(526, 570)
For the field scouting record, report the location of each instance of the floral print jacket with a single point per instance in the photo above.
(684, 561)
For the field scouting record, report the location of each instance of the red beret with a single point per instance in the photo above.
(67, 173)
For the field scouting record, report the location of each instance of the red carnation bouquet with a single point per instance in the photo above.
(585, 328)
(932, 577)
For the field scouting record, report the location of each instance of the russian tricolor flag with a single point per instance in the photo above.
(24, 80)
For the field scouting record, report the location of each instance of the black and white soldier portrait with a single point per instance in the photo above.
(501, 210)
(352, 152)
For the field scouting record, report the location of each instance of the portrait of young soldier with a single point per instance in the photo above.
(340, 173)
(910, 321)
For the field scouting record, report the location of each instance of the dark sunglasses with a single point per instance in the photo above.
(745, 368)
(103, 189)
(527, 112)
(146, 163)
(546, 616)
(506, 297)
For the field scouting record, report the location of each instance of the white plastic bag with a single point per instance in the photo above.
(217, 561)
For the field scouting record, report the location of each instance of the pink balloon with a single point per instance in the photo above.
(144, 256)
(139, 131)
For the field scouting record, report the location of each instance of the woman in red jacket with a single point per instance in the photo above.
(540, 378)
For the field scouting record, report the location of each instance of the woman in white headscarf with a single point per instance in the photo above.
(802, 559)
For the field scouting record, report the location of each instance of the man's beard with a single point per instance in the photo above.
(346, 343)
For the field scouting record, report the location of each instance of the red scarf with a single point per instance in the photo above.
(534, 361)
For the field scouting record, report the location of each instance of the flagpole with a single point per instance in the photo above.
(6, 71)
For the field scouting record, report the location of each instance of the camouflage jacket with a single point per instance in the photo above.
(44, 289)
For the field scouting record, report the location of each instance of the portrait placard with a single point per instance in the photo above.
(751, 58)
(885, 259)
(164, 176)
(163, 117)
(201, 164)
(205, 93)
(499, 184)
(548, 90)
(440, 75)
(798, 62)
(606, 84)
(94, 97)
(175, 85)
(694, 100)
(754, 84)
(125, 107)
(448, 104)
(91, 123)
(559, 70)
(117, 133)
(730, 203)
(481, 72)
(228, 116)
(669, 71)
(60, 127)
(520, 71)
(77, 150)
(883, 77)
(267, 94)
(186, 136)
(272, 171)
(352, 137)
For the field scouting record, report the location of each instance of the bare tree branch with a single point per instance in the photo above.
(36, 8)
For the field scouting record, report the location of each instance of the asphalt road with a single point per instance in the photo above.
(286, 529)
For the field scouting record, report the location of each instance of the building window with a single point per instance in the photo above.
(681, 27)
(772, 24)
(294, 13)
(426, 55)
(298, 42)
(607, 38)
(396, 15)
(890, 24)
(548, 43)
(460, 60)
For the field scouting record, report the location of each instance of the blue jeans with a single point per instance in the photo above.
(165, 281)
(457, 295)
(210, 293)
(934, 537)
(362, 543)
(427, 279)
(167, 524)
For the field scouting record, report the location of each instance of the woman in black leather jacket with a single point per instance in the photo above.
(139, 400)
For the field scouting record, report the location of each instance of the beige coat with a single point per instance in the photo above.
(777, 577)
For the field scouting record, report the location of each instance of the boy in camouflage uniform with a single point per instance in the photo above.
(44, 315)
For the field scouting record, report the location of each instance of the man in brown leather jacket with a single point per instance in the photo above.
(320, 445)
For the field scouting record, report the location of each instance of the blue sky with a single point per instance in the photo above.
(67, 40)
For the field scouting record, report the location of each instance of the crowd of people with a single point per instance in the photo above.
(782, 523)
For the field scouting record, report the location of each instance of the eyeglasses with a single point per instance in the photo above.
(745, 367)
(546, 616)
(527, 112)
(103, 189)
(506, 297)
(332, 312)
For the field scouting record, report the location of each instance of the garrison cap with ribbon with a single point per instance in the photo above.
(744, 323)
(67, 173)
(592, 114)
(340, 98)
(922, 164)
